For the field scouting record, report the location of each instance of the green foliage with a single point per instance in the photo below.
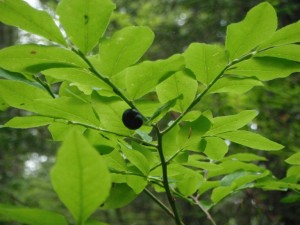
(81, 91)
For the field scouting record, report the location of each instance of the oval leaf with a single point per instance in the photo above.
(85, 21)
(80, 177)
(18, 13)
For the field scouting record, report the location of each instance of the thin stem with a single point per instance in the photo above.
(165, 177)
(202, 94)
(111, 132)
(160, 203)
(196, 202)
(45, 85)
(104, 79)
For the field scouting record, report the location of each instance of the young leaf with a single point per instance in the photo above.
(35, 58)
(110, 111)
(215, 148)
(19, 94)
(290, 52)
(18, 13)
(67, 108)
(78, 77)
(259, 24)
(120, 195)
(28, 122)
(265, 68)
(136, 81)
(85, 21)
(251, 140)
(137, 159)
(31, 216)
(206, 61)
(221, 192)
(80, 177)
(235, 85)
(286, 35)
(180, 83)
(123, 49)
(233, 122)
(294, 159)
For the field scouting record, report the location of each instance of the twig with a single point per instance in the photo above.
(198, 203)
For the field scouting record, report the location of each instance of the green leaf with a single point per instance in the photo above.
(120, 195)
(31, 216)
(233, 122)
(221, 192)
(286, 35)
(190, 133)
(85, 21)
(290, 52)
(94, 222)
(178, 84)
(137, 159)
(245, 157)
(188, 182)
(207, 185)
(136, 81)
(294, 159)
(265, 68)
(71, 109)
(123, 49)
(60, 130)
(28, 122)
(230, 166)
(251, 140)
(18, 13)
(206, 61)
(78, 77)
(110, 111)
(32, 58)
(259, 24)
(80, 177)
(215, 148)
(19, 95)
(235, 85)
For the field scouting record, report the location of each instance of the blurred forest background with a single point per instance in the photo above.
(27, 155)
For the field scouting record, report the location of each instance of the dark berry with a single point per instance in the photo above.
(132, 119)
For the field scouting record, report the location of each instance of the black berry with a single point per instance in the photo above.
(132, 119)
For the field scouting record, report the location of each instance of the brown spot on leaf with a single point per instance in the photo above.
(33, 52)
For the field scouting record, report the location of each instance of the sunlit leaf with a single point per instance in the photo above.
(215, 148)
(80, 177)
(265, 68)
(31, 216)
(206, 61)
(85, 21)
(20, 14)
(223, 124)
(33, 58)
(28, 122)
(20, 95)
(136, 81)
(294, 159)
(290, 52)
(252, 140)
(259, 24)
(178, 84)
(123, 49)
(286, 35)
